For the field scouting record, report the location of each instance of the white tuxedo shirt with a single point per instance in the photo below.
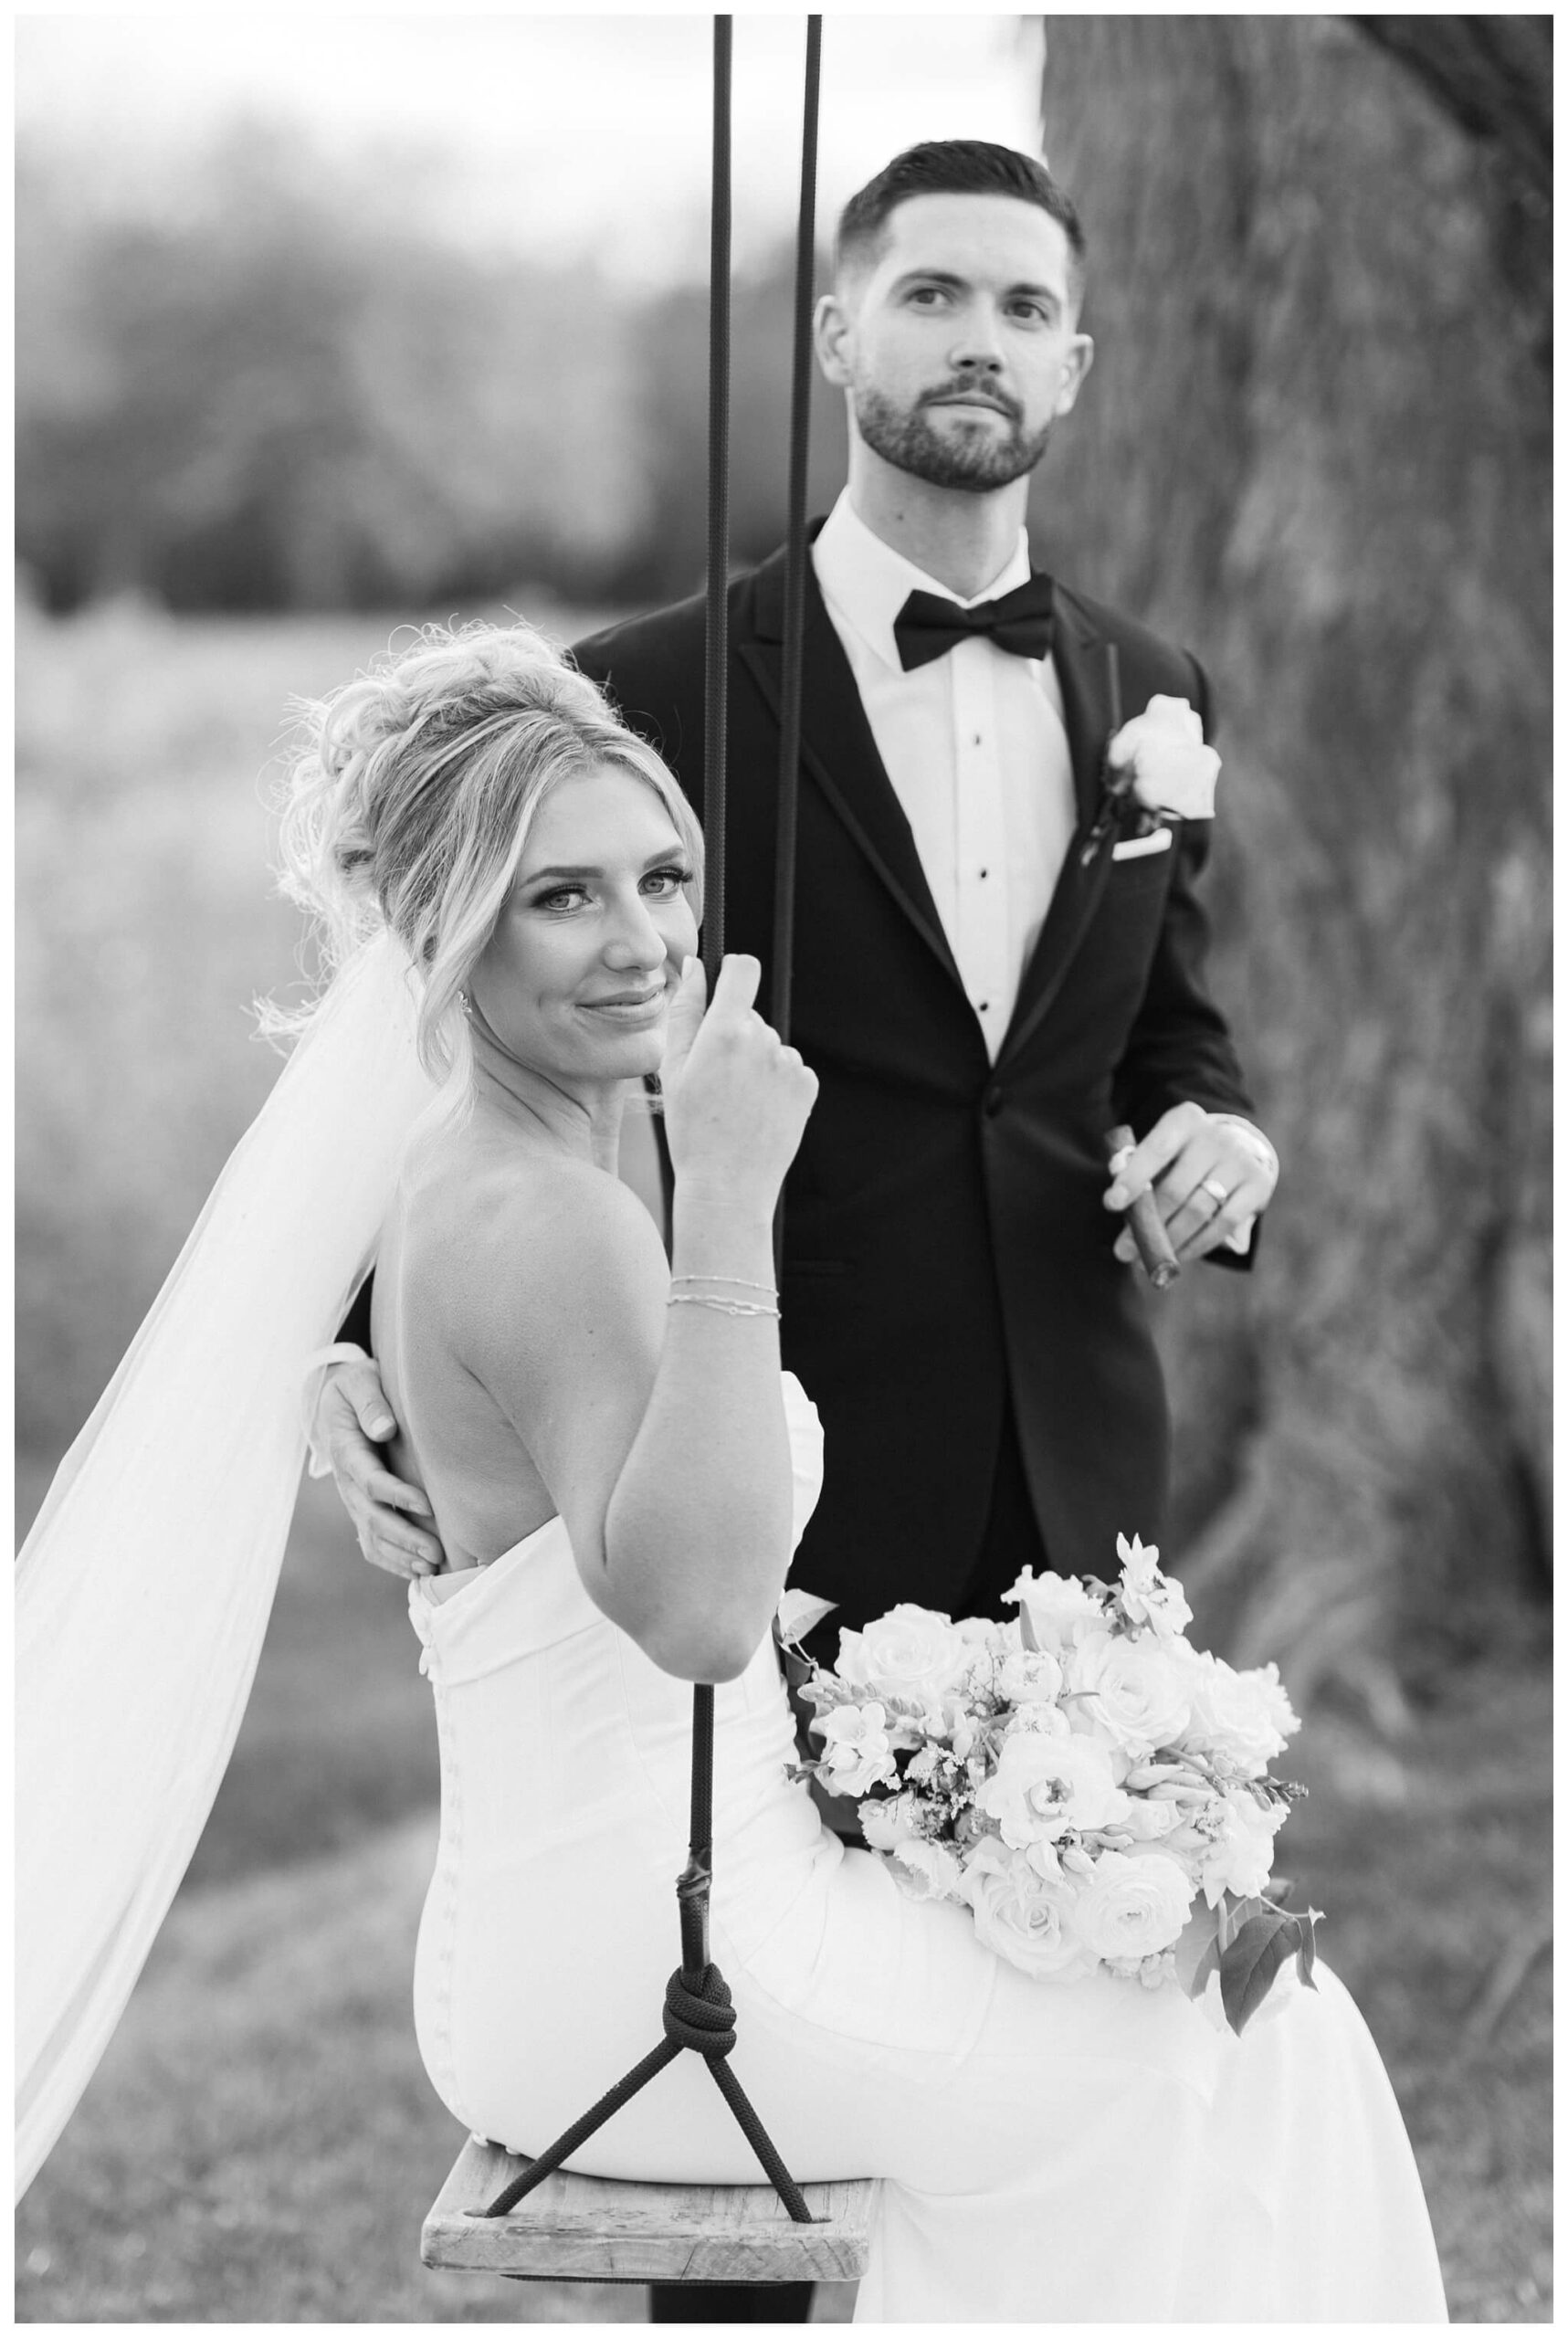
(975, 746)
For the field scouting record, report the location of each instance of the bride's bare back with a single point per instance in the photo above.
(486, 1229)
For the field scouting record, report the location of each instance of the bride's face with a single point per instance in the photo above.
(577, 977)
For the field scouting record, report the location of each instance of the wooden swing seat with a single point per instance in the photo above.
(591, 2229)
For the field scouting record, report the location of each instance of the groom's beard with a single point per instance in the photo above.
(973, 462)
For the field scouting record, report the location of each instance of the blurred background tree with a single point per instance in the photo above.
(1316, 447)
(281, 395)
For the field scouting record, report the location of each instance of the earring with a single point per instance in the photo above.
(464, 1002)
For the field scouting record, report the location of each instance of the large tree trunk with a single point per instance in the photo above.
(1316, 447)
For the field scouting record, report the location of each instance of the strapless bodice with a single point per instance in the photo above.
(484, 1617)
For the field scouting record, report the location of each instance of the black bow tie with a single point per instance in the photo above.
(1021, 622)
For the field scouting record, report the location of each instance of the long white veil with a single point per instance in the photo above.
(143, 1590)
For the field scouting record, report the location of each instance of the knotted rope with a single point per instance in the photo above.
(698, 2012)
(703, 2018)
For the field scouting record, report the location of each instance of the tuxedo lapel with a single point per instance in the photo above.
(1083, 671)
(837, 747)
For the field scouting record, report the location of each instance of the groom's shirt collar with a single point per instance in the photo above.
(867, 583)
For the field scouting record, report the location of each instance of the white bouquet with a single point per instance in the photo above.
(1092, 1787)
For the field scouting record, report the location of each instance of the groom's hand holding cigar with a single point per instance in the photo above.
(1196, 1180)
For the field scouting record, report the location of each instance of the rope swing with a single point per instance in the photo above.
(698, 2012)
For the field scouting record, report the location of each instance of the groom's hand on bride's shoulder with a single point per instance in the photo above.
(392, 1519)
(1213, 1173)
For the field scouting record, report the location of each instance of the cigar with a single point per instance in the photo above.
(1160, 1261)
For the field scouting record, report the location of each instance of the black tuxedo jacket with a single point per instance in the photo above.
(946, 1244)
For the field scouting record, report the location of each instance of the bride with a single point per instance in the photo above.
(618, 1473)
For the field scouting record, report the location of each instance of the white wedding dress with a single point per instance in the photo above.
(1086, 2153)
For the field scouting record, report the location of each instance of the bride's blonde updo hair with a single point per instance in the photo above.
(412, 789)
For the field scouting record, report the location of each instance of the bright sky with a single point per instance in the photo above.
(561, 133)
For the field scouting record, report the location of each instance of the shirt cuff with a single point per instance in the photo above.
(313, 1378)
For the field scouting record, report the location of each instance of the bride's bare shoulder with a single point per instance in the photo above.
(487, 1223)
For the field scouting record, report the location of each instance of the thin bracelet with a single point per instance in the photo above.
(737, 1282)
(721, 1306)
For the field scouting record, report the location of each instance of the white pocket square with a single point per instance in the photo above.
(1133, 847)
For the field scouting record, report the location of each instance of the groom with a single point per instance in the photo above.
(995, 962)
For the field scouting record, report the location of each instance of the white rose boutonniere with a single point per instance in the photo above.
(1172, 771)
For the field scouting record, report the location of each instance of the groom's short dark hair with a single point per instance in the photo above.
(953, 166)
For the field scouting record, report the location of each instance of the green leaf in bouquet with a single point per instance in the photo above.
(1306, 1944)
(1206, 1967)
(1197, 1949)
(1261, 1943)
(1026, 1630)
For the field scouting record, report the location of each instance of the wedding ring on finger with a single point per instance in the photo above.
(1212, 1185)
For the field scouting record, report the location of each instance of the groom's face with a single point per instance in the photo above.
(957, 338)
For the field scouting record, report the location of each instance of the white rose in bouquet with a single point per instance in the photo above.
(1244, 1716)
(1023, 1917)
(1044, 1784)
(926, 1870)
(1057, 1606)
(856, 1752)
(1048, 1721)
(1029, 1676)
(1134, 1904)
(1172, 771)
(911, 1653)
(1240, 1860)
(1134, 1691)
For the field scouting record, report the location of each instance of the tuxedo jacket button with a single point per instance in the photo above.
(994, 1098)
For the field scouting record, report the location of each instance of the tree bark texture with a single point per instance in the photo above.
(1315, 447)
